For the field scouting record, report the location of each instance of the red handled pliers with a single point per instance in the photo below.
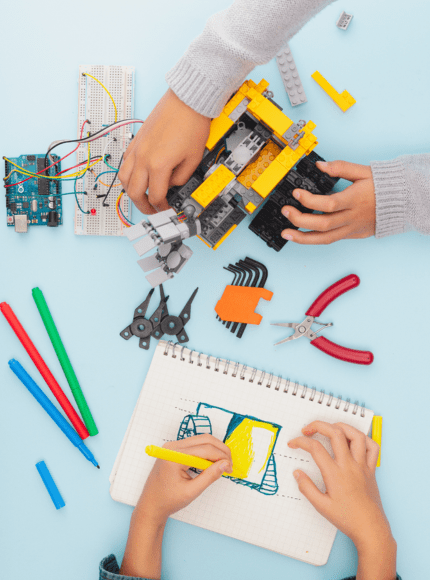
(360, 357)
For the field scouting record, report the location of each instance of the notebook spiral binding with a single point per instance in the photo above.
(235, 366)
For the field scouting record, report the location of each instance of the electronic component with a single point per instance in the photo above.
(96, 106)
(27, 203)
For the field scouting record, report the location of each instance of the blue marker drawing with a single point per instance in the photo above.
(251, 441)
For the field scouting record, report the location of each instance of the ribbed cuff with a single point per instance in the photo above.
(109, 570)
(196, 90)
(390, 194)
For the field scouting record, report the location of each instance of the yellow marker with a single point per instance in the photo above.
(178, 457)
(377, 434)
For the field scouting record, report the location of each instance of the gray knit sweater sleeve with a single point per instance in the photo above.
(233, 42)
(402, 191)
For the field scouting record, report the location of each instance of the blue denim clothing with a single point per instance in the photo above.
(109, 570)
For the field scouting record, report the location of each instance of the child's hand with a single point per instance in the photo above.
(169, 486)
(165, 152)
(347, 214)
(351, 501)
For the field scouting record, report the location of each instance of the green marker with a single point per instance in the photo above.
(64, 360)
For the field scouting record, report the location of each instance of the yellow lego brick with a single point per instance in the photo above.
(267, 112)
(218, 129)
(265, 184)
(213, 185)
(233, 103)
(250, 207)
(343, 100)
(225, 236)
(262, 86)
(253, 171)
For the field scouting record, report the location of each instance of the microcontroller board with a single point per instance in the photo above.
(36, 202)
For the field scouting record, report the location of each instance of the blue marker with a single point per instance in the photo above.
(52, 411)
(50, 485)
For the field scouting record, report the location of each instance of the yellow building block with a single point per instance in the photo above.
(212, 186)
(250, 207)
(218, 129)
(233, 103)
(253, 171)
(225, 236)
(262, 86)
(265, 184)
(343, 100)
(267, 112)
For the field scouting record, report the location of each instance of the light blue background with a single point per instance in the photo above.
(93, 285)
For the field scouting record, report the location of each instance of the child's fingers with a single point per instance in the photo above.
(136, 190)
(310, 491)
(372, 453)
(319, 454)
(209, 452)
(197, 485)
(157, 188)
(182, 173)
(184, 444)
(316, 222)
(357, 442)
(345, 170)
(316, 238)
(325, 203)
(334, 433)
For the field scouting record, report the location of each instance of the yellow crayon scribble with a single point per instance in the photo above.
(241, 445)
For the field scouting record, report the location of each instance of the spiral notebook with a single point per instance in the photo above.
(256, 413)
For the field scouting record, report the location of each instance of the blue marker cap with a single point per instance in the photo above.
(50, 485)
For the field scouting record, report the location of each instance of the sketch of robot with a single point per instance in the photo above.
(251, 442)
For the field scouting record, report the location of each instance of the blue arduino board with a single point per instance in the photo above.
(36, 202)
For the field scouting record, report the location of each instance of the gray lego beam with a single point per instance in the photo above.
(344, 20)
(290, 77)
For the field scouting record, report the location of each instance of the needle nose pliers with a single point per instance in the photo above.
(304, 328)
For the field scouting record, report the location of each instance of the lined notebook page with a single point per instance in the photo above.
(285, 521)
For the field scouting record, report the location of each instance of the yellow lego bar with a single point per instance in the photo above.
(343, 100)
(212, 186)
(265, 111)
(218, 129)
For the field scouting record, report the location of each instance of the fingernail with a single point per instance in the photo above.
(226, 467)
(285, 213)
(296, 474)
(323, 163)
(296, 194)
(291, 444)
(287, 236)
(308, 431)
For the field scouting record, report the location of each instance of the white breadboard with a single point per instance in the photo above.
(96, 106)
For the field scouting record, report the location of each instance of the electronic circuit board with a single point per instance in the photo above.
(36, 202)
(99, 217)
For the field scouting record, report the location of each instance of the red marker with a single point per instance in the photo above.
(57, 391)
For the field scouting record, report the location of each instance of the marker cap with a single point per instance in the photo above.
(50, 485)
